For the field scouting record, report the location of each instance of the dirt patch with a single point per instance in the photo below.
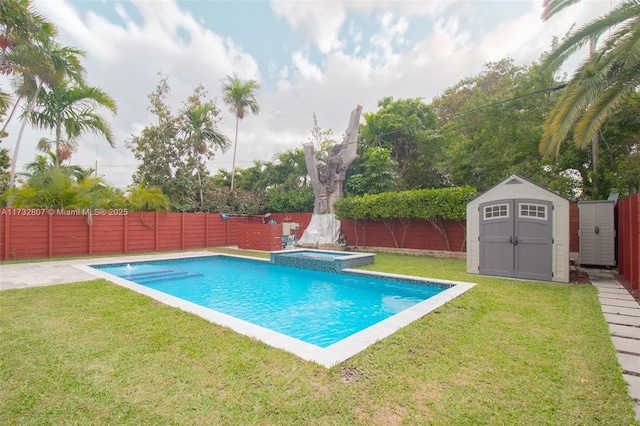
(576, 276)
(351, 374)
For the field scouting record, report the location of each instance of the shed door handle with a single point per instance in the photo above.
(596, 230)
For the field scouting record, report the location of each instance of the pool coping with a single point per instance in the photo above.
(327, 357)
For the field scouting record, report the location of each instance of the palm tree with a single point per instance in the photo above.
(200, 132)
(240, 97)
(43, 163)
(46, 64)
(147, 199)
(20, 25)
(601, 83)
(71, 108)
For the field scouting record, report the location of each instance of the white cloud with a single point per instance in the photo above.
(321, 20)
(123, 59)
(305, 68)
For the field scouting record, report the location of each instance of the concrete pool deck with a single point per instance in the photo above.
(621, 311)
(49, 272)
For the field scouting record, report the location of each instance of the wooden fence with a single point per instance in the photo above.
(38, 233)
(628, 233)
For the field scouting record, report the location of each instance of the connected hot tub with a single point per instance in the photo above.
(321, 260)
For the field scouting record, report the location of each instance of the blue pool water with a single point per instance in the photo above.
(320, 308)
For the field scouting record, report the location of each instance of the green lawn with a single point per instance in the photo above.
(505, 353)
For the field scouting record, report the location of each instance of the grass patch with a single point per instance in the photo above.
(506, 352)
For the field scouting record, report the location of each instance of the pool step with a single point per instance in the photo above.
(168, 274)
(134, 275)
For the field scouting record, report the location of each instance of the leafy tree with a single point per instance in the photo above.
(287, 180)
(491, 124)
(281, 199)
(172, 153)
(4, 171)
(619, 169)
(282, 184)
(155, 147)
(373, 173)
(407, 128)
(222, 200)
(240, 97)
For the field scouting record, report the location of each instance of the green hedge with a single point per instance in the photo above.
(426, 204)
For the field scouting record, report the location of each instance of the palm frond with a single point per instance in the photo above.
(594, 29)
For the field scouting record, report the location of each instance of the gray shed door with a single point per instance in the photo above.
(516, 239)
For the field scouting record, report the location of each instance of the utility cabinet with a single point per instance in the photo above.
(597, 232)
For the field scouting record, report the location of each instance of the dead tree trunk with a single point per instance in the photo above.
(327, 179)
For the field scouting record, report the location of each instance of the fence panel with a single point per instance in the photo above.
(259, 236)
(634, 252)
(140, 230)
(628, 232)
(418, 234)
(195, 227)
(27, 237)
(70, 236)
(107, 235)
(170, 237)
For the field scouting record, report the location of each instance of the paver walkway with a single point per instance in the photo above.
(620, 309)
(622, 313)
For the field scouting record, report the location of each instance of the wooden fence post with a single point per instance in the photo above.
(90, 225)
(125, 224)
(182, 231)
(6, 237)
(206, 230)
(50, 236)
(157, 236)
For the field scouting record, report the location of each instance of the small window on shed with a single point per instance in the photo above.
(535, 211)
(496, 211)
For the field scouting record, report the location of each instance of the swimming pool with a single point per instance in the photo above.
(320, 316)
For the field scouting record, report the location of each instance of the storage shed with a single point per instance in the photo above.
(519, 229)
(597, 232)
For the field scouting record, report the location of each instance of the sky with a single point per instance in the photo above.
(310, 57)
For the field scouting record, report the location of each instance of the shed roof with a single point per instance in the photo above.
(517, 179)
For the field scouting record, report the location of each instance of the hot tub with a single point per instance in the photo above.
(321, 260)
